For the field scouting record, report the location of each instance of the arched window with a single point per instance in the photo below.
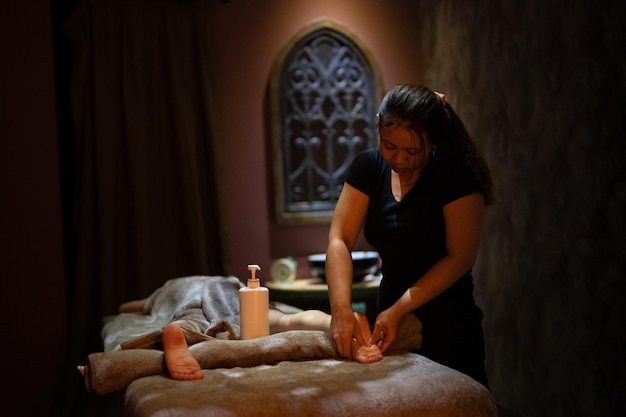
(323, 92)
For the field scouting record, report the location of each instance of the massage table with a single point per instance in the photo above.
(293, 373)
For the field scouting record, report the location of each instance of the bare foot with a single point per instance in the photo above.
(180, 364)
(365, 354)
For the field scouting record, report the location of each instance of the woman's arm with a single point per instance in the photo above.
(344, 230)
(463, 221)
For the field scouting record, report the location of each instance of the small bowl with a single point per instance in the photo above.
(363, 263)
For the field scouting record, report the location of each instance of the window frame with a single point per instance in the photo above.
(276, 115)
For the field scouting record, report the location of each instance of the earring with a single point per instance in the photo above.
(434, 149)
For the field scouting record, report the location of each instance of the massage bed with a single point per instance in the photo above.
(293, 373)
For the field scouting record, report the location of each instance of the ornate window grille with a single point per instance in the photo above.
(325, 99)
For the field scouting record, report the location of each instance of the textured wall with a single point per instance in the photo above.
(540, 84)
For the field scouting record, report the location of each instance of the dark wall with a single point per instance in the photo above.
(540, 84)
(32, 272)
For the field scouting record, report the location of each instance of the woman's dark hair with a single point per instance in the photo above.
(423, 110)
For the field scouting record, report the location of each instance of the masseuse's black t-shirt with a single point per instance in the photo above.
(410, 235)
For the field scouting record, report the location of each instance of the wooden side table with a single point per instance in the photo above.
(312, 294)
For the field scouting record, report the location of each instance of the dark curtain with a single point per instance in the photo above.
(145, 204)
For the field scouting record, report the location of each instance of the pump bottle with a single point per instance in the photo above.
(254, 307)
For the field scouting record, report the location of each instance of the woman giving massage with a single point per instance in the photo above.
(419, 197)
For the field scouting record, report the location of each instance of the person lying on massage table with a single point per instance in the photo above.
(182, 366)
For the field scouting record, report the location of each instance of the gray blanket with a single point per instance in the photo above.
(202, 305)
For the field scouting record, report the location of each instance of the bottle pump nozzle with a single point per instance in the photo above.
(253, 277)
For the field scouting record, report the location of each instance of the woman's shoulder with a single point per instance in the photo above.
(448, 166)
(369, 160)
(453, 178)
(366, 168)
(372, 154)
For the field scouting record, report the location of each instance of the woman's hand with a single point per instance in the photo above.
(385, 329)
(442, 97)
(344, 329)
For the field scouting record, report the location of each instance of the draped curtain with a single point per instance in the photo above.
(146, 195)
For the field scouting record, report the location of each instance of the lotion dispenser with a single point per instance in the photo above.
(254, 307)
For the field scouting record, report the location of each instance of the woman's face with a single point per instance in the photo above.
(404, 150)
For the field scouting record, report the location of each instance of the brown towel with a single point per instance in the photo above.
(206, 308)
(111, 371)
